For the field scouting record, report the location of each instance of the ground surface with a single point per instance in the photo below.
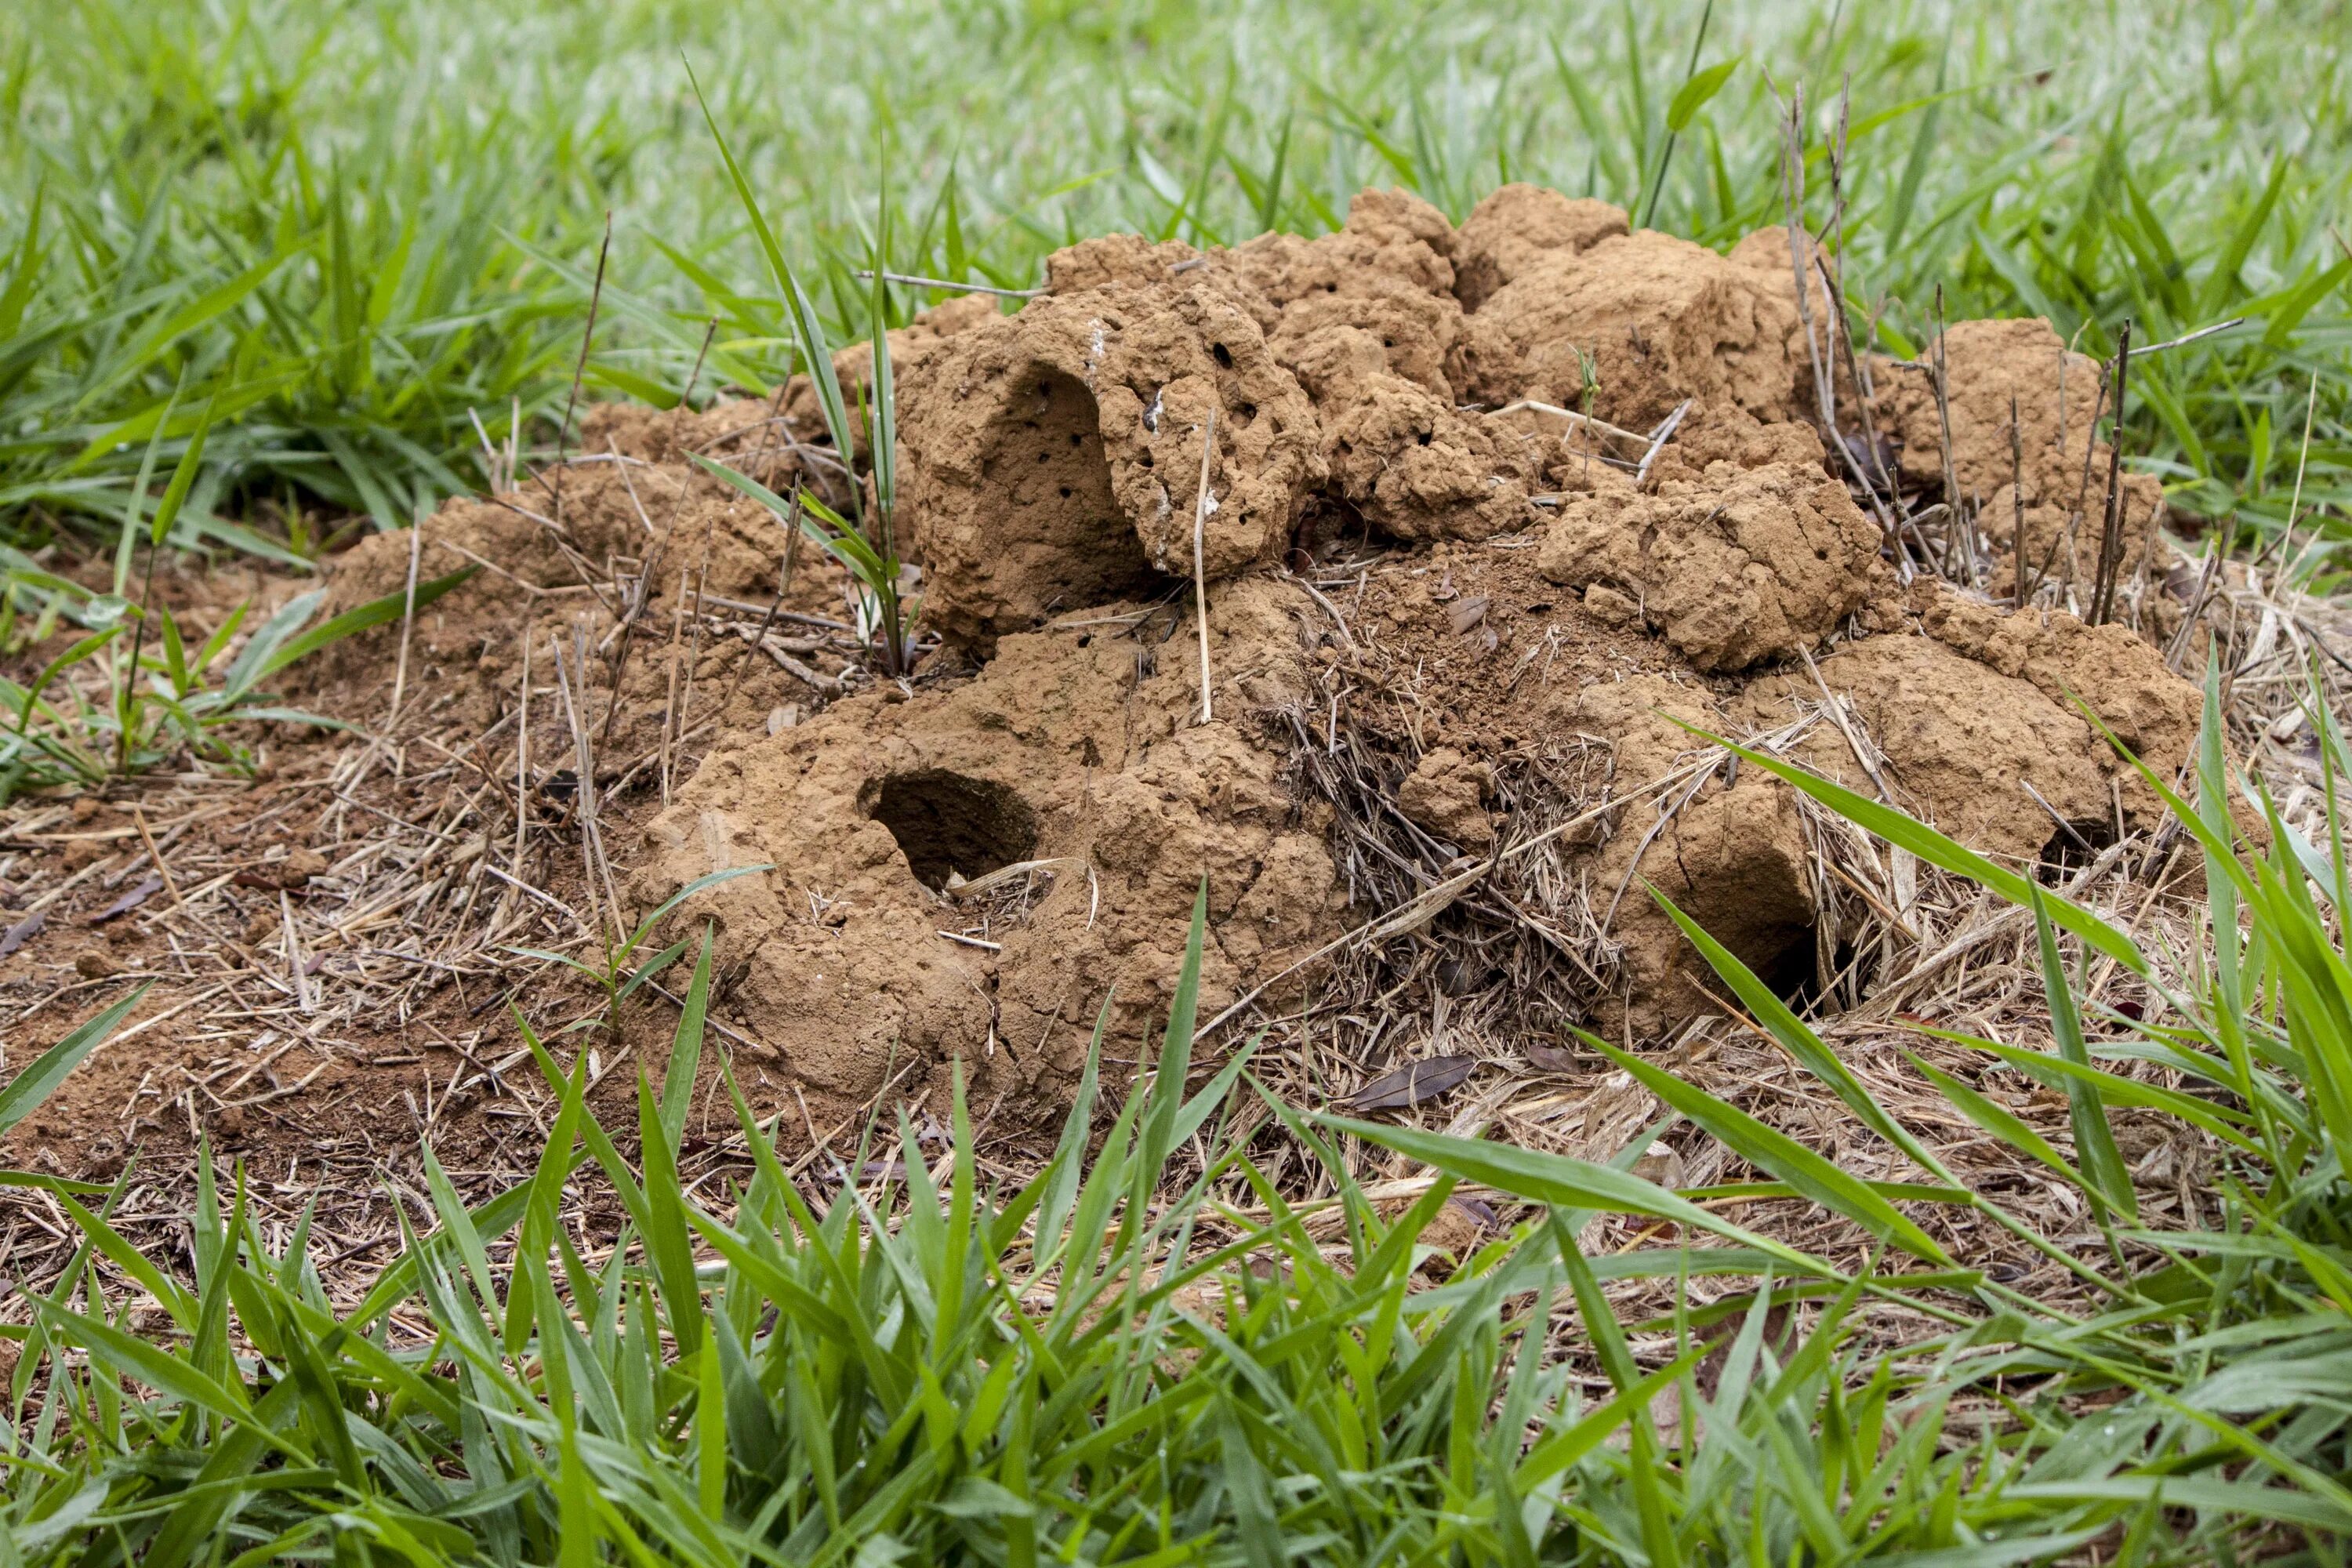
(1454, 636)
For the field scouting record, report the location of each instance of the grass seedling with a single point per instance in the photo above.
(615, 975)
(864, 544)
(176, 699)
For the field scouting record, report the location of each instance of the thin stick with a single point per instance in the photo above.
(2191, 337)
(2083, 488)
(1201, 506)
(2286, 540)
(646, 575)
(1823, 364)
(2017, 498)
(2111, 533)
(912, 281)
(1530, 404)
(1658, 440)
(583, 795)
(522, 758)
(669, 705)
(686, 398)
(579, 370)
(784, 586)
(155, 856)
(407, 623)
(1942, 370)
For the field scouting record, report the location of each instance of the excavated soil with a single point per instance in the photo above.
(1397, 557)
(1497, 518)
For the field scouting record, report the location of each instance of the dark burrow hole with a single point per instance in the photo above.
(1790, 971)
(949, 822)
(2070, 848)
(1054, 514)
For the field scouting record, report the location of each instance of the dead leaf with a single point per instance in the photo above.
(1550, 1058)
(23, 931)
(147, 888)
(1410, 1084)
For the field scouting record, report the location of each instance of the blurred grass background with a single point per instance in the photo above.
(350, 229)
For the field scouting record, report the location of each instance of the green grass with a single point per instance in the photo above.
(359, 227)
(936, 1365)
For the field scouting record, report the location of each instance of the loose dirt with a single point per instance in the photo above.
(1502, 523)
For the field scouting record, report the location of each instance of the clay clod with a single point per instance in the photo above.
(1739, 566)
(1053, 458)
(2049, 481)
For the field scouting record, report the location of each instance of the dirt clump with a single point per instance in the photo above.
(1751, 560)
(1652, 321)
(971, 872)
(1446, 793)
(1519, 225)
(2025, 450)
(1054, 457)
(1463, 659)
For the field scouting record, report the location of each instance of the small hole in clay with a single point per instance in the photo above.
(953, 823)
(1790, 971)
(1248, 412)
(2070, 848)
(1224, 355)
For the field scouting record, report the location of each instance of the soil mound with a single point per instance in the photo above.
(1499, 524)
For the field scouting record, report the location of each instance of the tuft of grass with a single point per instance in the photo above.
(100, 709)
(353, 229)
(908, 1359)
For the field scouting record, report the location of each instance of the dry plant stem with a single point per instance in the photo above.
(1659, 439)
(604, 899)
(407, 625)
(783, 587)
(1836, 707)
(579, 371)
(1792, 193)
(1833, 283)
(693, 644)
(1199, 575)
(2295, 506)
(911, 281)
(2111, 532)
(2017, 497)
(669, 701)
(2083, 488)
(522, 759)
(1879, 484)
(1944, 431)
(1588, 422)
(2196, 610)
(155, 856)
(650, 574)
